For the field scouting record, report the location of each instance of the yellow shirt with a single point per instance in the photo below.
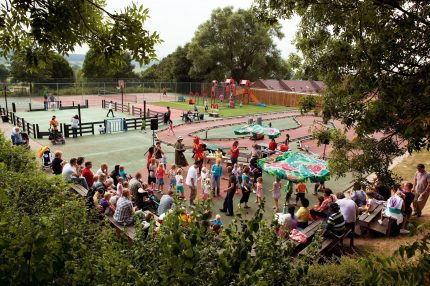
(303, 214)
(218, 155)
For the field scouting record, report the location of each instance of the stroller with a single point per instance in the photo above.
(56, 137)
(45, 154)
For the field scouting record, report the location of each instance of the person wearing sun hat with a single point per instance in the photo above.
(180, 159)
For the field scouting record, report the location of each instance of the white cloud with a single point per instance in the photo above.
(176, 21)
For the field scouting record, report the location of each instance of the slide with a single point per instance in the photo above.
(251, 96)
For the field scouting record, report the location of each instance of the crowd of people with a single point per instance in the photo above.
(120, 194)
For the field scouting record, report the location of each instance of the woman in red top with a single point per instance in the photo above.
(234, 152)
(272, 145)
(148, 159)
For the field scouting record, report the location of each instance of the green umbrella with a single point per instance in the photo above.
(258, 129)
(295, 167)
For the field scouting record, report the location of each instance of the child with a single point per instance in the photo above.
(106, 205)
(203, 176)
(179, 183)
(259, 190)
(151, 176)
(160, 178)
(301, 189)
(239, 174)
(207, 189)
(303, 214)
(276, 193)
(395, 206)
(102, 130)
(171, 128)
(217, 224)
(371, 202)
(172, 179)
(119, 187)
(218, 154)
(206, 105)
(122, 173)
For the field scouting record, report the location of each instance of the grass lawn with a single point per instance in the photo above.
(224, 110)
(407, 168)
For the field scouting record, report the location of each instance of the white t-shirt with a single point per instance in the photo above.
(422, 180)
(110, 106)
(179, 178)
(348, 209)
(68, 171)
(75, 123)
(207, 189)
(192, 174)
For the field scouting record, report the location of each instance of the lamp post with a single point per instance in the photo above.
(5, 97)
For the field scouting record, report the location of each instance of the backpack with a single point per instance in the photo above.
(97, 187)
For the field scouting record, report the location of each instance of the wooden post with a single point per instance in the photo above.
(144, 110)
(37, 132)
(23, 124)
(92, 128)
(115, 106)
(80, 120)
(29, 106)
(34, 131)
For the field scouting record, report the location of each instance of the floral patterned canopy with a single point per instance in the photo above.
(258, 129)
(295, 167)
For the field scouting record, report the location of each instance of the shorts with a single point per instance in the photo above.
(160, 182)
(233, 160)
(180, 189)
(151, 180)
(173, 182)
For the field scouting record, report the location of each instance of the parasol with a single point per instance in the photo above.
(258, 129)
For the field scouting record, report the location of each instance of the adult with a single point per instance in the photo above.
(335, 226)
(45, 99)
(234, 152)
(231, 190)
(382, 189)
(166, 203)
(180, 159)
(103, 170)
(70, 174)
(98, 190)
(358, 195)
(191, 181)
(88, 174)
(57, 163)
(246, 187)
(323, 208)
(216, 171)
(158, 152)
(150, 153)
(52, 101)
(79, 165)
(134, 185)
(256, 151)
(421, 189)
(53, 123)
(167, 116)
(115, 175)
(273, 145)
(349, 210)
(16, 137)
(74, 124)
(124, 209)
(110, 107)
(198, 151)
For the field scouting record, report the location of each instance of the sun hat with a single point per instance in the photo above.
(180, 138)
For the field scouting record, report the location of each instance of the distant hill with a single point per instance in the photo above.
(78, 60)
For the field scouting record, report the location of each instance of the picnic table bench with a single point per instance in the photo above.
(181, 98)
(243, 158)
(129, 231)
(369, 220)
(214, 112)
(79, 189)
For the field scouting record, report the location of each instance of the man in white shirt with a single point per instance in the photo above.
(70, 175)
(110, 109)
(349, 210)
(191, 181)
(421, 189)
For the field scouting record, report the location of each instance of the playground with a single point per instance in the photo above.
(129, 148)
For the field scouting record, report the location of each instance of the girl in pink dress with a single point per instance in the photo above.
(276, 193)
(259, 190)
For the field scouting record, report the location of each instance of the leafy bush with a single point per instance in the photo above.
(307, 103)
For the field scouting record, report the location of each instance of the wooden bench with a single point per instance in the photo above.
(243, 158)
(214, 112)
(129, 231)
(79, 189)
(369, 220)
(181, 99)
(329, 244)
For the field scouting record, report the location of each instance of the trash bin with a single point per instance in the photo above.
(259, 120)
(4, 118)
(201, 116)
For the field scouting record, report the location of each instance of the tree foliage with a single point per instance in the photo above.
(4, 72)
(38, 26)
(373, 57)
(234, 44)
(51, 67)
(96, 67)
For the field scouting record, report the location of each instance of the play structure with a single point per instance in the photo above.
(235, 95)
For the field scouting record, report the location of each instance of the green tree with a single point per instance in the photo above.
(234, 44)
(39, 26)
(51, 67)
(98, 67)
(4, 72)
(373, 57)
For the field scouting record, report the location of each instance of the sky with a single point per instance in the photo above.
(176, 21)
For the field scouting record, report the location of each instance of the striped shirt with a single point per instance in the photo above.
(124, 210)
(336, 223)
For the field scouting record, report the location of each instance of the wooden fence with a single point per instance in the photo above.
(283, 98)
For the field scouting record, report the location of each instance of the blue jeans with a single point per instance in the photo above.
(216, 184)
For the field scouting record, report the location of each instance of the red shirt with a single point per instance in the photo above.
(234, 152)
(88, 175)
(160, 173)
(272, 146)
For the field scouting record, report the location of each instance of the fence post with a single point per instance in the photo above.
(115, 107)
(28, 128)
(92, 128)
(13, 107)
(23, 124)
(128, 108)
(34, 131)
(135, 124)
(37, 132)
(29, 106)
(86, 103)
(61, 128)
(66, 130)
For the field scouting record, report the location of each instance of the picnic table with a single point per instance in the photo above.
(369, 220)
